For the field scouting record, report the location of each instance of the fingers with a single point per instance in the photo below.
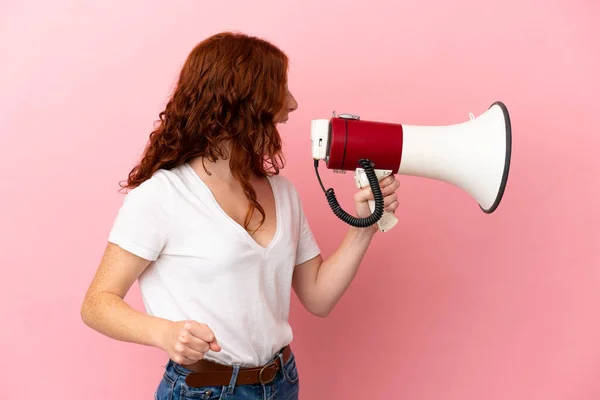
(363, 195)
(389, 200)
(188, 340)
(388, 185)
(200, 331)
(214, 346)
(392, 207)
(185, 354)
(387, 180)
(182, 360)
(193, 341)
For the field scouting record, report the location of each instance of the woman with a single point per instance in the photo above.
(217, 238)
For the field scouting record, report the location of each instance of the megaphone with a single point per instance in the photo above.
(473, 156)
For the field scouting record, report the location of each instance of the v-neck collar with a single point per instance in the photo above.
(204, 187)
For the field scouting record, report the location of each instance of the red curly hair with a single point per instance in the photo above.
(230, 90)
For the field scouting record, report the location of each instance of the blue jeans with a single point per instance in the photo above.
(285, 386)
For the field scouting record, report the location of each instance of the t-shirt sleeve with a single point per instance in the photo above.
(308, 247)
(142, 223)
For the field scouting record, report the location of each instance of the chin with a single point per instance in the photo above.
(282, 120)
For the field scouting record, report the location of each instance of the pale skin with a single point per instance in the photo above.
(318, 283)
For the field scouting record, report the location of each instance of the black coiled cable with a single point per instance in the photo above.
(372, 219)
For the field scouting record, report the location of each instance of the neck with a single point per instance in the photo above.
(217, 170)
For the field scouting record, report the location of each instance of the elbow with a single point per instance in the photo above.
(317, 304)
(321, 311)
(86, 311)
(321, 314)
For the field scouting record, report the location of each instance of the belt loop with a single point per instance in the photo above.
(233, 380)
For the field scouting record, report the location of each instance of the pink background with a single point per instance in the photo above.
(451, 304)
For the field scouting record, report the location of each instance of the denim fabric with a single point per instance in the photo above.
(285, 386)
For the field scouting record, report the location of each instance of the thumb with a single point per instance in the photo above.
(214, 346)
(363, 195)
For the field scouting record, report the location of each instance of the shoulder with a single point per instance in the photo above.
(285, 186)
(156, 191)
(288, 194)
(282, 181)
(156, 185)
(143, 221)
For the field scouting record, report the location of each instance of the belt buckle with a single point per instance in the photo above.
(270, 366)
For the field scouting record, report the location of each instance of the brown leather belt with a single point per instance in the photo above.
(207, 373)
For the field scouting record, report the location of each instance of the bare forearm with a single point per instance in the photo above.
(337, 272)
(110, 315)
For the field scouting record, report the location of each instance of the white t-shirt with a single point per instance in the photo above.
(206, 267)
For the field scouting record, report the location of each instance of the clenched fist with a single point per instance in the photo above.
(389, 185)
(187, 341)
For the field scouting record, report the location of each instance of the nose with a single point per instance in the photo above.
(292, 104)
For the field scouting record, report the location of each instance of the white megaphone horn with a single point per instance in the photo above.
(473, 155)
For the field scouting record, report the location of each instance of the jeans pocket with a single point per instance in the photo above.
(165, 388)
(290, 370)
(202, 393)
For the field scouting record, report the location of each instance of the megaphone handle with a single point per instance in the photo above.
(388, 220)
